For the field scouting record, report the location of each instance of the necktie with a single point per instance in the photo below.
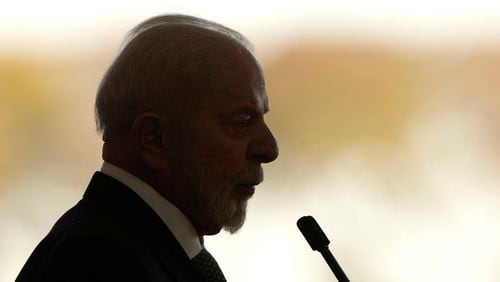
(205, 264)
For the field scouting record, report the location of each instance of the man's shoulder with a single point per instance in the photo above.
(86, 244)
(108, 209)
(92, 220)
(108, 231)
(72, 258)
(108, 212)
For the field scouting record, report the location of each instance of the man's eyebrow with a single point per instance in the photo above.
(251, 109)
(266, 108)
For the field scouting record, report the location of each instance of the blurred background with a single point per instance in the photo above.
(387, 114)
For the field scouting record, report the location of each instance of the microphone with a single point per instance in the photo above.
(319, 242)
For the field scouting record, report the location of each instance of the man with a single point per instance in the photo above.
(181, 110)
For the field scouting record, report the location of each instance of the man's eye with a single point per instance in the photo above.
(242, 125)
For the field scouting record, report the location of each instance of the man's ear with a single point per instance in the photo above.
(147, 138)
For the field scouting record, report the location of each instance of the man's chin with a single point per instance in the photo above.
(233, 229)
(230, 218)
(235, 223)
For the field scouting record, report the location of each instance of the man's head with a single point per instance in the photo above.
(182, 108)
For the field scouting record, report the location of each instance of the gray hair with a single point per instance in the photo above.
(163, 61)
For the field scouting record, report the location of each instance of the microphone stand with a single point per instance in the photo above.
(333, 264)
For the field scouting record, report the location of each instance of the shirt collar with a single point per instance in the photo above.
(176, 221)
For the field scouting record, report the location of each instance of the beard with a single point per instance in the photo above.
(211, 198)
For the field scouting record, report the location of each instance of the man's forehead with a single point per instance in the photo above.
(263, 99)
(242, 86)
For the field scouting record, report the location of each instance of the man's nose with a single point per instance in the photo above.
(264, 148)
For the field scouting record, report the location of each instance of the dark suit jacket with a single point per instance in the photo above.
(110, 235)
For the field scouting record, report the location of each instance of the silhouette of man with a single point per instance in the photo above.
(181, 110)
